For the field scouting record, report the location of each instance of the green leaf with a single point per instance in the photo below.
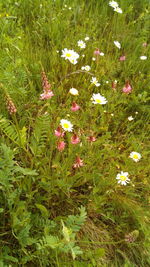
(43, 210)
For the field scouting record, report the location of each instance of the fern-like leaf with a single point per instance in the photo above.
(9, 130)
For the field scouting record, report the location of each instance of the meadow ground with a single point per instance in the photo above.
(74, 133)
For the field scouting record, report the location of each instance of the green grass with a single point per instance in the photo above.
(51, 213)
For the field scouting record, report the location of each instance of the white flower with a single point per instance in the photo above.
(107, 82)
(87, 68)
(70, 8)
(130, 118)
(102, 54)
(93, 58)
(87, 38)
(122, 178)
(143, 57)
(73, 91)
(71, 55)
(116, 43)
(81, 44)
(135, 156)
(118, 10)
(98, 99)
(95, 81)
(113, 4)
(73, 61)
(66, 125)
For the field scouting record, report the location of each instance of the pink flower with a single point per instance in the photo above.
(97, 52)
(59, 132)
(122, 58)
(91, 138)
(61, 146)
(75, 106)
(127, 88)
(78, 163)
(75, 139)
(46, 95)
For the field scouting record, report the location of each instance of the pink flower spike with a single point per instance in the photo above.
(91, 138)
(127, 88)
(78, 163)
(46, 95)
(75, 139)
(45, 84)
(61, 146)
(75, 106)
(59, 132)
(97, 52)
(122, 58)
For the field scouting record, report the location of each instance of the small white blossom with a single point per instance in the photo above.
(117, 44)
(98, 99)
(87, 38)
(81, 44)
(73, 91)
(135, 156)
(113, 4)
(118, 10)
(66, 125)
(143, 57)
(93, 58)
(102, 54)
(87, 68)
(95, 82)
(122, 178)
(130, 118)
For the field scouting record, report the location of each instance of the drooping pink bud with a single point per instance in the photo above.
(61, 146)
(58, 132)
(75, 106)
(97, 52)
(127, 88)
(78, 163)
(122, 58)
(91, 138)
(75, 139)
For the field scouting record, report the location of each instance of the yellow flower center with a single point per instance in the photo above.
(98, 101)
(123, 178)
(68, 55)
(66, 125)
(135, 156)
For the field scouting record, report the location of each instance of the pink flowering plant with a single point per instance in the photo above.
(74, 133)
